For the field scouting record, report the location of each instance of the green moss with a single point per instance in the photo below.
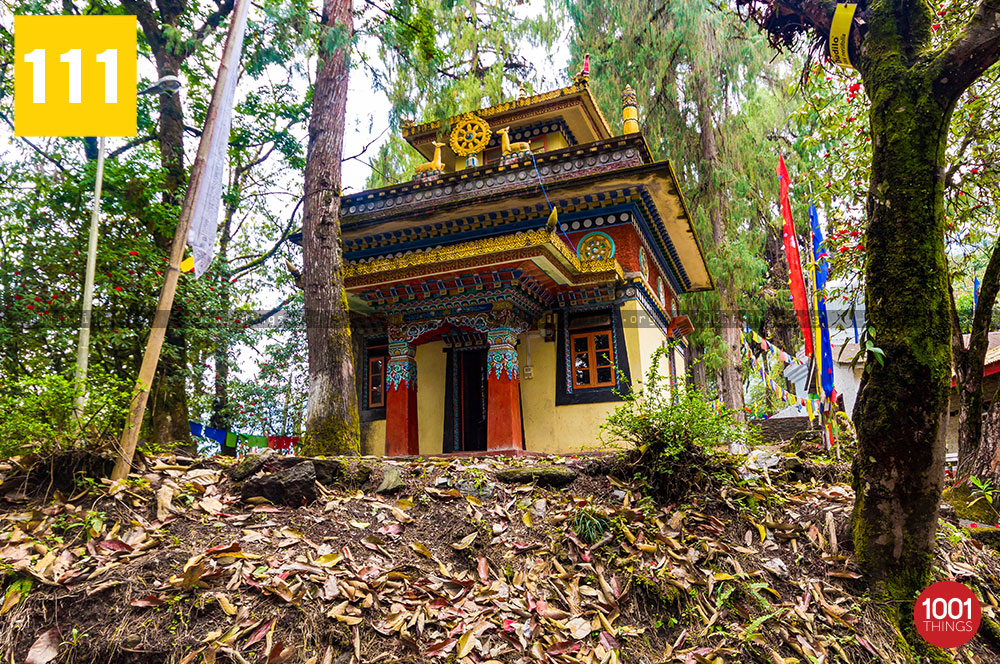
(333, 436)
(967, 507)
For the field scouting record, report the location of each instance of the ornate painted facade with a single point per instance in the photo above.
(528, 271)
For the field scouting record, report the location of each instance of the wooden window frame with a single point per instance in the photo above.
(374, 354)
(592, 353)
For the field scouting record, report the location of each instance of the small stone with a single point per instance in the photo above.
(392, 480)
(481, 490)
(249, 465)
(295, 486)
(777, 567)
(540, 475)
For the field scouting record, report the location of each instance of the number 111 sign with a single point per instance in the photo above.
(74, 75)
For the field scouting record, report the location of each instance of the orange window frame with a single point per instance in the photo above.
(593, 363)
(373, 370)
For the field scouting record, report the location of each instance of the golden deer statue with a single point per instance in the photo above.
(435, 164)
(506, 147)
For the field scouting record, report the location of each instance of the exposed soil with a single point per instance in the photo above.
(454, 567)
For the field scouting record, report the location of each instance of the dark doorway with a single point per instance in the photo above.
(472, 391)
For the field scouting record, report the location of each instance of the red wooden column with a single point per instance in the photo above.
(401, 436)
(503, 417)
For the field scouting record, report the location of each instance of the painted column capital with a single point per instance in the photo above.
(401, 369)
(501, 359)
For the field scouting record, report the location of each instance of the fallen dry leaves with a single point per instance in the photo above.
(474, 577)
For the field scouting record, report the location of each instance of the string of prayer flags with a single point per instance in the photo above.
(769, 347)
(243, 443)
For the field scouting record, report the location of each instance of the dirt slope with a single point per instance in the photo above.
(454, 565)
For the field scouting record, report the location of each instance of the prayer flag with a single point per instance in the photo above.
(798, 286)
(826, 349)
(205, 214)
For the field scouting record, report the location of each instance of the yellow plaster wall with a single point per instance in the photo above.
(373, 438)
(642, 338)
(431, 370)
(549, 428)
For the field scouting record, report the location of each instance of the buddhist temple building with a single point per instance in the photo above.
(505, 298)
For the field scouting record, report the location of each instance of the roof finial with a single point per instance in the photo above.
(521, 93)
(630, 111)
(585, 72)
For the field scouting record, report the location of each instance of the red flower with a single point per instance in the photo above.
(133, 253)
(843, 249)
(118, 288)
(38, 299)
(17, 297)
(935, 27)
(31, 306)
(854, 87)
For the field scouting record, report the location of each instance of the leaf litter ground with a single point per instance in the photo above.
(455, 566)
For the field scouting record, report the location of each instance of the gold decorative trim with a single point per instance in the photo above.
(479, 248)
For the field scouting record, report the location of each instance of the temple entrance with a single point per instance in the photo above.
(472, 400)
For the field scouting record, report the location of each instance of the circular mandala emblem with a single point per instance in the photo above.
(470, 135)
(596, 246)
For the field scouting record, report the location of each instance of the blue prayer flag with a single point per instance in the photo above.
(822, 269)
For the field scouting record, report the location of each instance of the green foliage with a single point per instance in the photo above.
(46, 194)
(37, 413)
(438, 59)
(667, 420)
(590, 524)
(982, 490)
(833, 152)
(694, 65)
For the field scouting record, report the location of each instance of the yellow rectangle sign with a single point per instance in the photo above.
(840, 33)
(74, 75)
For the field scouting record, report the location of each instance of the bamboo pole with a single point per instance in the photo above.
(87, 313)
(151, 357)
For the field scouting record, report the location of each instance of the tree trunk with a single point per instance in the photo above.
(969, 365)
(168, 418)
(899, 468)
(987, 462)
(730, 375)
(332, 417)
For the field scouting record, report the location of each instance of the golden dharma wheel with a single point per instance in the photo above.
(470, 135)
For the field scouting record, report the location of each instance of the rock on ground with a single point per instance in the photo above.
(540, 475)
(392, 480)
(294, 486)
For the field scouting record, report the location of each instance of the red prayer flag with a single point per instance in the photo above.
(798, 286)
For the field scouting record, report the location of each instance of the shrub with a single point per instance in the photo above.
(37, 413)
(668, 427)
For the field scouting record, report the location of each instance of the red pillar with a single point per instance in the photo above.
(503, 417)
(401, 437)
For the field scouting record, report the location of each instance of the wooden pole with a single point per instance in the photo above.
(151, 357)
(87, 315)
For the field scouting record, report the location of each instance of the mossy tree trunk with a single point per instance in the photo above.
(913, 86)
(332, 416)
(976, 452)
(899, 468)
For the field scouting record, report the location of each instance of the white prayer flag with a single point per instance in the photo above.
(205, 215)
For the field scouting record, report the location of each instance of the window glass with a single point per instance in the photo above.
(593, 359)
